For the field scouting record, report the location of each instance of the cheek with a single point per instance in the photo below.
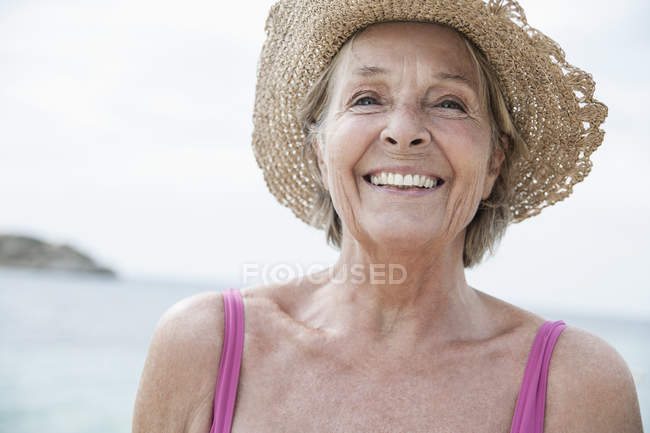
(346, 144)
(465, 147)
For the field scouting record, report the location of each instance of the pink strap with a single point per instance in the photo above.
(231, 353)
(529, 411)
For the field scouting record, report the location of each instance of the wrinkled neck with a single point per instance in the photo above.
(385, 293)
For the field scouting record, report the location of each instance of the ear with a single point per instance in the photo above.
(321, 164)
(495, 167)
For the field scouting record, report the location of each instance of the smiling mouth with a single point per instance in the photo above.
(392, 187)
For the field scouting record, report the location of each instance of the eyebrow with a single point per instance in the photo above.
(371, 71)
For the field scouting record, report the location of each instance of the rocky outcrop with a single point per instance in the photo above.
(27, 252)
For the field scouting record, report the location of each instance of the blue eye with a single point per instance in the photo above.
(364, 98)
(451, 105)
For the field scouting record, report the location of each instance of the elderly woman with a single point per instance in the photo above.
(413, 133)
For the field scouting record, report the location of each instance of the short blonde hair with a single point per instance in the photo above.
(493, 214)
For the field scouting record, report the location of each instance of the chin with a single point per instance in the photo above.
(402, 238)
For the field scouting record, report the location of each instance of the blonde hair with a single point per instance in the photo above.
(493, 214)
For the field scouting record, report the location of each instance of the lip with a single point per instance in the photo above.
(403, 170)
(403, 192)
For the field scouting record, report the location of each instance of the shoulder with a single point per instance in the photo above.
(190, 329)
(179, 375)
(590, 387)
(196, 312)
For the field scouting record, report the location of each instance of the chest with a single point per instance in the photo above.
(290, 390)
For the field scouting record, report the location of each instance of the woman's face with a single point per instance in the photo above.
(405, 100)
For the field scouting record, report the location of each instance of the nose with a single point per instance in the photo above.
(405, 129)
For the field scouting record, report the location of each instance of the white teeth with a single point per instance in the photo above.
(397, 179)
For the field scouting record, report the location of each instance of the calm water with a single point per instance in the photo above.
(72, 348)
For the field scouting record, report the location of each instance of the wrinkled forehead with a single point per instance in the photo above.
(440, 48)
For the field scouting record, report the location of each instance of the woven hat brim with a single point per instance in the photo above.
(552, 102)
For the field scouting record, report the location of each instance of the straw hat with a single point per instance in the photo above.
(550, 101)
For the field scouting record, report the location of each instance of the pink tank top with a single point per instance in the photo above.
(228, 376)
(529, 411)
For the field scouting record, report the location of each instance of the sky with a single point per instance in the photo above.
(126, 129)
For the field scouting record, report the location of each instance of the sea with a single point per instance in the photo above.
(72, 347)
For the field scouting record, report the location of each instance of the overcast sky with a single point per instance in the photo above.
(126, 125)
